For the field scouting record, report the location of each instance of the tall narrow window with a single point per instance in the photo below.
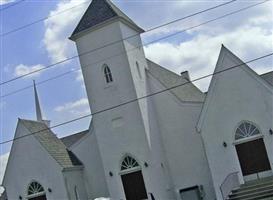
(138, 70)
(107, 74)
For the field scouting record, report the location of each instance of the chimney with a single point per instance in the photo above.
(185, 75)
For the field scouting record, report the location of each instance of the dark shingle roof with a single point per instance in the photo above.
(186, 92)
(100, 11)
(72, 139)
(51, 143)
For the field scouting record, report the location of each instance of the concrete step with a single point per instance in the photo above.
(261, 189)
(261, 180)
(252, 190)
(253, 195)
(256, 184)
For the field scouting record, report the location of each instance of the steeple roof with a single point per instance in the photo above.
(98, 12)
(39, 116)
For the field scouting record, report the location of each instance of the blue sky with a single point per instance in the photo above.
(248, 34)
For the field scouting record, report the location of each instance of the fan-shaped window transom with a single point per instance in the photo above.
(129, 163)
(35, 188)
(246, 129)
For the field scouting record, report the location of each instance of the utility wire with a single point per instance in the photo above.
(154, 41)
(11, 5)
(63, 11)
(115, 42)
(42, 19)
(39, 83)
(137, 99)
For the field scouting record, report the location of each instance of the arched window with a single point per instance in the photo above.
(107, 74)
(35, 189)
(246, 129)
(128, 163)
(138, 70)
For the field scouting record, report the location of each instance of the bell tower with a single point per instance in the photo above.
(114, 66)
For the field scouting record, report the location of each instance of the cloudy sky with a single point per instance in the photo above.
(248, 34)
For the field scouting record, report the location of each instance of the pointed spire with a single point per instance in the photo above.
(37, 104)
(99, 12)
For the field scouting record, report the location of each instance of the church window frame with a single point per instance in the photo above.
(108, 77)
(35, 189)
(138, 70)
(129, 164)
(246, 131)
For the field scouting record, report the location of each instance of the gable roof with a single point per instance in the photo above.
(224, 52)
(100, 11)
(68, 141)
(51, 143)
(187, 92)
(268, 77)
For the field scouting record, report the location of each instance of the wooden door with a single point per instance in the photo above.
(43, 197)
(253, 157)
(134, 187)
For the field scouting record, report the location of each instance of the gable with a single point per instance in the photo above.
(51, 143)
(227, 60)
(27, 155)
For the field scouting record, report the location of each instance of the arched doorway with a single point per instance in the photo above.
(36, 191)
(251, 150)
(132, 179)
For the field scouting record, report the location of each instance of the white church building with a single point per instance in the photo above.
(178, 143)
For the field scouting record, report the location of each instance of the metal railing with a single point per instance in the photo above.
(231, 182)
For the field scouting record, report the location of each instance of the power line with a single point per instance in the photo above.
(42, 19)
(11, 5)
(137, 99)
(39, 83)
(154, 41)
(115, 42)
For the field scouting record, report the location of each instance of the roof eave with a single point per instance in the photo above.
(75, 36)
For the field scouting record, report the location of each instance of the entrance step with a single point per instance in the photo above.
(261, 189)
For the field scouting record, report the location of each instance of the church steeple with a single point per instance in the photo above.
(39, 116)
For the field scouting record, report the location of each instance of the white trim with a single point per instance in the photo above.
(36, 195)
(248, 139)
(131, 170)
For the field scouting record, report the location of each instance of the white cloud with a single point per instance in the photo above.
(59, 27)
(76, 108)
(21, 70)
(79, 76)
(3, 2)
(199, 55)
